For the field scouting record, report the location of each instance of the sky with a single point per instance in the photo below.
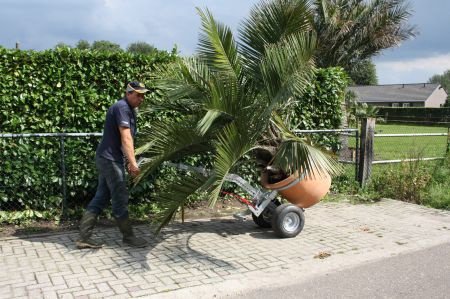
(41, 24)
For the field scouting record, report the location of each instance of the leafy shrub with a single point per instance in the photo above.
(405, 181)
(437, 193)
(321, 106)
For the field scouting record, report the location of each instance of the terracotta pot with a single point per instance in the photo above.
(303, 191)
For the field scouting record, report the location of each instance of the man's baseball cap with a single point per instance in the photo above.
(137, 87)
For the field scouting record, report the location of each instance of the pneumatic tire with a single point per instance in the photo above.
(288, 221)
(264, 220)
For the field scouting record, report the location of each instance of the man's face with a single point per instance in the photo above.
(135, 99)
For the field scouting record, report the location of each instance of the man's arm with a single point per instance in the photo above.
(128, 150)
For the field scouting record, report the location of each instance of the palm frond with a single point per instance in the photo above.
(231, 145)
(217, 46)
(350, 31)
(299, 154)
(268, 23)
(174, 196)
(288, 66)
(207, 121)
(170, 141)
(183, 84)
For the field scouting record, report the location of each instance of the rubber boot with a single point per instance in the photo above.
(128, 236)
(87, 224)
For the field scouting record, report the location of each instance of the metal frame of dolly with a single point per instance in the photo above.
(287, 220)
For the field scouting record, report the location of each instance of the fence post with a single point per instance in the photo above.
(448, 141)
(357, 149)
(366, 150)
(63, 177)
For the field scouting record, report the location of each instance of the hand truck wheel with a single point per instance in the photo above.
(288, 220)
(264, 219)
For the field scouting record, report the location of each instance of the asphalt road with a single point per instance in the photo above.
(420, 274)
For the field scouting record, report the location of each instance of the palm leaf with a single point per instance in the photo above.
(268, 23)
(288, 66)
(351, 31)
(174, 196)
(170, 141)
(217, 46)
(230, 146)
(299, 154)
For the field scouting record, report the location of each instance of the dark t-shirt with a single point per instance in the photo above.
(119, 115)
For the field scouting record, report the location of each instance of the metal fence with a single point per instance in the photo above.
(49, 171)
(398, 143)
(395, 143)
(57, 170)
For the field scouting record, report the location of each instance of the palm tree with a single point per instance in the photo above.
(229, 101)
(351, 31)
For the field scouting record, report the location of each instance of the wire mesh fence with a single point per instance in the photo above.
(46, 171)
(57, 172)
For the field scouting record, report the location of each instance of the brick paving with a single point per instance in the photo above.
(210, 252)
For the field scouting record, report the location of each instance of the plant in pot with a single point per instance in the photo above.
(228, 101)
(281, 170)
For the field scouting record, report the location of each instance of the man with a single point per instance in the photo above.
(117, 143)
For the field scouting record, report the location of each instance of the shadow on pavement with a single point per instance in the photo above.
(171, 246)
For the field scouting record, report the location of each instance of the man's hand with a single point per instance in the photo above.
(133, 169)
(128, 151)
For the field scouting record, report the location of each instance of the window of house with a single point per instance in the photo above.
(405, 105)
(395, 105)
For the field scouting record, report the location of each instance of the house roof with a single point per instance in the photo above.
(394, 92)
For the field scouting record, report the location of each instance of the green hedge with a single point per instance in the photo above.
(65, 90)
(62, 90)
(321, 106)
(415, 115)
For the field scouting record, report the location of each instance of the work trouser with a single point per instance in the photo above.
(112, 185)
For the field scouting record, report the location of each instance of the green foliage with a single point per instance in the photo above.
(419, 115)
(25, 216)
(363, 72)
(443, 79)
(83, 45)
(320, 106)
(405, 181)
(106, 46)
(141, 48)
(61, 90)
(437, 193)
(420, 182)
(351, 31)
(65, 90)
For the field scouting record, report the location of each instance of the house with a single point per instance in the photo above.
(401, 95)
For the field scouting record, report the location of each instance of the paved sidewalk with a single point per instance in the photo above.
(215, 258)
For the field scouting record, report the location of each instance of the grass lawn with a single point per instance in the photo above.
(422, 182)
(394, 148)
